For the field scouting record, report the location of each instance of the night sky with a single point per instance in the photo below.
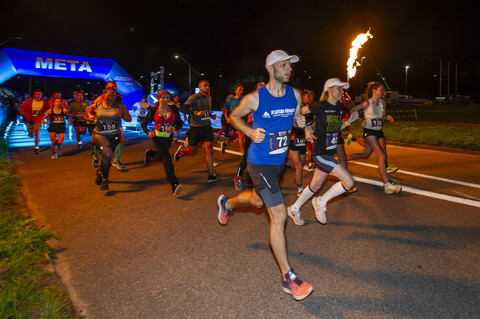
(232, 39)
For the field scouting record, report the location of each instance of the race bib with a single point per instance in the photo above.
(279, 142)
(205, 116)
(79, 114)
(331, 142)
(108, 127)
(299, 141)
(376, 122)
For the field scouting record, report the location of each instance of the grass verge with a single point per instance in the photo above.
(27, 289)
(462, 137)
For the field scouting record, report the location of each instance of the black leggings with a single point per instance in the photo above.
(162, 153)
(106, 143)
(243, 163)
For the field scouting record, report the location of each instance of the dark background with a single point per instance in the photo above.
(229, 40)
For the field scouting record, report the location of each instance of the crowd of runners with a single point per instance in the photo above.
(276, 125)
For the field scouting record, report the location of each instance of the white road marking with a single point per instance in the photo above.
(407, 189)
(447, 180)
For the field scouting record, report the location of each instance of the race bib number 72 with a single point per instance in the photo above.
(279, 142)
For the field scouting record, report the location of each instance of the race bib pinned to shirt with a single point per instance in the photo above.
(279, 142)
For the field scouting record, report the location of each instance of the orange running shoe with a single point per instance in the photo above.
(298, 288)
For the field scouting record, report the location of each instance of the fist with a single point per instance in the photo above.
(300, 120)
(258, 135)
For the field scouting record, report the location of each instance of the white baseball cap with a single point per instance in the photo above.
(280, 55)
(335, 82)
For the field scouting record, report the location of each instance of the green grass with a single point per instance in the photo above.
(451, 113)
(27, 290)
(463, 137)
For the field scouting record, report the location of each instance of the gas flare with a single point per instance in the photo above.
(356, 45)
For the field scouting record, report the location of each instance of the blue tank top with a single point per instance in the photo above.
(274, 115)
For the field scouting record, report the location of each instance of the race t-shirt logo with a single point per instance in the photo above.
(266, 115)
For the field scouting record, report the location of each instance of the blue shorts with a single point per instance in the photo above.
(325, 163)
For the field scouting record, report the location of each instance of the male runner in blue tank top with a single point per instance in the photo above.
(275, 108)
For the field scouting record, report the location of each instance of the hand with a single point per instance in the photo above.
(150, 134)
(390, 118)
(364, 123)
(300, 120)
(353, 117)
(258, 135)
(309, 137)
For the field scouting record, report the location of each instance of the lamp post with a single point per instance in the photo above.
(406, 78)
(361, 75)
(190, 68)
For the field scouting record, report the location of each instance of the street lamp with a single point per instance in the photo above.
(190, 68)
(406, 77)
(361, 75)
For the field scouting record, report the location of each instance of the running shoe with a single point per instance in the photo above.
(148, 156)
(36, 150)
(311, 166)
(295, 216)
(352, 190)
(54, 156)
(223, 146)
(178, 153)
(176, 189)
(79, 145)
(391, 169)
(320, 210)
(298, 288)
(98, 179)
(350, 139)
(118, 165)
(95, 161)
(391, 188)
(104, 184)
(223, 212)
(213, 178)
(238, 183)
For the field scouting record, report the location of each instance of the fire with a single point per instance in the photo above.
(356, 45)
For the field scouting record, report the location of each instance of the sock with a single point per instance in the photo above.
(118, 151)
(334, 191)
(306, 195)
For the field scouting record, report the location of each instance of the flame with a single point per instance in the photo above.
(356, 45)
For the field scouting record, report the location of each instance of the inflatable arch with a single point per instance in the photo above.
(14, 61)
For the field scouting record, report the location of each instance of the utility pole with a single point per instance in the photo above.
(440, 80)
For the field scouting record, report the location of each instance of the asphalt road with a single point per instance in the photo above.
(136, 252)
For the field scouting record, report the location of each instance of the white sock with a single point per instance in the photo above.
(334, 191)
(306, 195)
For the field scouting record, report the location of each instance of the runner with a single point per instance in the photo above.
(56, 129)
(275, 107)
(327, 126)
(76, 110)
(199, 106)
(374, 110)
(297, 149)
(140, 110)
(107, 133)
(237, 180)
(229, 107)
(167, 121)
(33, 111)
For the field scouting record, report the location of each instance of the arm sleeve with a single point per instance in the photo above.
(147, 119)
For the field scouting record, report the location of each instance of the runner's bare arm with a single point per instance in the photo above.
(299, 120)
(247, 105)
